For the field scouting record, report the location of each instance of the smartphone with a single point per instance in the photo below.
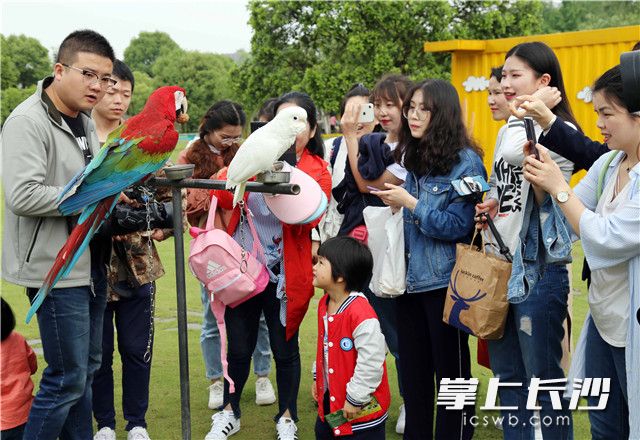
(470, 185)
(366, 113)
(289, 156)
(373, 188)
(531, 136)
(257, 124)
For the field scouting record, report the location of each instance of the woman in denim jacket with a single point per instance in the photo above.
(435, 149)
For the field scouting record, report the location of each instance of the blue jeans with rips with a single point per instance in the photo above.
(70, 322)
(531, 347)
(606, 361)
(210, 343)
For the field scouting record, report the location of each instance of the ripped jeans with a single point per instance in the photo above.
(531, 347)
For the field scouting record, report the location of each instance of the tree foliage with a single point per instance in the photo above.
(322, 47)
(576, 16)
(11, 97)
(146, 48)
(145, 85)
(24, 61)
(205, 77)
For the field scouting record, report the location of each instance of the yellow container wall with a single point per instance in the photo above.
(593, 53)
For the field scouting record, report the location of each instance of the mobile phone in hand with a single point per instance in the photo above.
(366, 113)
(531, 137)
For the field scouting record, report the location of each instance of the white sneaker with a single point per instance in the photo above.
(216, 394)
(223, 425)
(105, 433)
(138, 433)
(286, 429)
(401, 420)
(265, 395)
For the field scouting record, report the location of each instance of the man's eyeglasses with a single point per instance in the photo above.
(421, 114)
(231, 141)
(92, 78)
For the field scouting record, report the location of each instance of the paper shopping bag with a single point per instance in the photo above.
(476, 299)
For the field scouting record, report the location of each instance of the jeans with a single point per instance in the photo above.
(386, 310)
(431, 349)
(70, 322)
(532, 347)
(210, 344)
(13, 433)
(242, 332)
(604, 360)
(132, 317)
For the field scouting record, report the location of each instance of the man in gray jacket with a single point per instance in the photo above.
(46, 141)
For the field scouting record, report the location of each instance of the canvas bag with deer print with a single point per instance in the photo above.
(476, 300)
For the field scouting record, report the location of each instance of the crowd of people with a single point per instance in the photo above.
(407, 159)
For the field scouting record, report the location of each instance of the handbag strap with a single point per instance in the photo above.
(475, 233)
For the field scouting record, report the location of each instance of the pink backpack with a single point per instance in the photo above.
(230, 274)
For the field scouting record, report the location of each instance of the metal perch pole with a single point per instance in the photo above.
(183, 349)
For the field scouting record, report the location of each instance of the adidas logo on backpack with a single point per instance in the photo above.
(214, 269)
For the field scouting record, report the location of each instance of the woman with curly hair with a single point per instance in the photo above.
(435, 149)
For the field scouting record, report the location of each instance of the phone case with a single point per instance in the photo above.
(475, 184)
(366, 113)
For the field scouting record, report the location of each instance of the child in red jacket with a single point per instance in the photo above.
(350, 360)
(17, 364)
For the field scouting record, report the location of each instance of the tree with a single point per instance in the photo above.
(204, 76)
(144, 86)
(29, 58)
(322, 47)
(575, 16)
(483, 20)
(146, 48)
(11, 97)
(10, 74)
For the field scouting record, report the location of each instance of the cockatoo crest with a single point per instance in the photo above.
(265, 145)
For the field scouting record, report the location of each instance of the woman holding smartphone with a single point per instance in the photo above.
(604, 211)
(371, 163)
(532, 341)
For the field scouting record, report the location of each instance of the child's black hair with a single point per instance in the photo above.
(350, 259)
(8, 320)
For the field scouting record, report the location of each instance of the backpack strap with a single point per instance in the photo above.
(603, 173)
(334, 150)
(218, 309)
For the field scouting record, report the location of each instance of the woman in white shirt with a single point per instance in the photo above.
(532, 341)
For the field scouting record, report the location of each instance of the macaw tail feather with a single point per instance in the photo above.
(89, 222)
(239, 193)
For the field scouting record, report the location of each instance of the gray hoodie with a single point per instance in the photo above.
(40, 155)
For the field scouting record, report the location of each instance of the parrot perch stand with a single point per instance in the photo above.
(275, 175)
(177, 178)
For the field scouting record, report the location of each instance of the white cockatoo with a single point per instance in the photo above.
(263, 147)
